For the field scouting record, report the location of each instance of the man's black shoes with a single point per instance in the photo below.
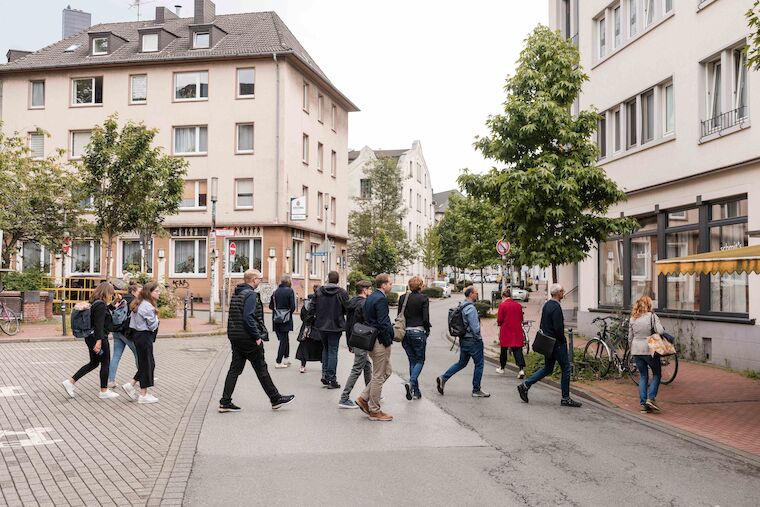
(523, 392)
(228, 407)
(325, 381)
(408, 389)
(282, 400)
(570, 403)
(440, 384)
(332, 385)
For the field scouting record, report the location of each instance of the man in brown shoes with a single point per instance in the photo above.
(376, 315)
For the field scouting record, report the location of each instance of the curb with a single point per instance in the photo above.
(43, 339)
(739, 455)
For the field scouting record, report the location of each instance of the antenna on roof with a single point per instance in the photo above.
(138, 3)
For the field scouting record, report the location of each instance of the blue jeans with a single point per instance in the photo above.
(330, 342)
(414, 344)
(468, 348)
(119, 342)
(558, 356)
(643, 363)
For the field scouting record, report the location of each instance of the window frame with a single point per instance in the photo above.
(198, 86)
(148, 251)
(297, 258)
(239, 95)
(739, 81)
(132, 100)
(30, 137)
(197, 196)
(198, 152)
(320, 108)
(365, 188)
(320, 157)
(320, 205)
(617, 26)
(305, 149)
(601, 39)
(333, 163)
(142, 43)
(196, 251)
(333, 210)
(648, 118)
(252, 241)
(239, 206)
(250, 151)
(72, 134)
(306, 99)
(44, 254)
(72, 263)
(95, 80)
(668, 130)
(196, 36)
(32, 82)
(94, 43)
(333, 117)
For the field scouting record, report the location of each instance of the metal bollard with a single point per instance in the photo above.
(184, 312)
(570, 352)
(192, 307)
(63, 314)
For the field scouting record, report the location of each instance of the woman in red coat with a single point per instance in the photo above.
(509, 319)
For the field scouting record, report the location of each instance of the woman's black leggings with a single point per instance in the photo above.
(283, 351)
(517, 352)
(103, 360)
(146, 365)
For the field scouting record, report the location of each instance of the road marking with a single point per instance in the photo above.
(35, 436)
(9, 391)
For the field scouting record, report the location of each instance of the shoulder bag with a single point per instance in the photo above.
(362, 337)
(544, 344)
(657, 345)
(399, 325)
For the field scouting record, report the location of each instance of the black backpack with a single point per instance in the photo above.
(81, 321)
(457, 325)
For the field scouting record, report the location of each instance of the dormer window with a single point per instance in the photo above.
(149, 42)
(201, 40)
(100, 46)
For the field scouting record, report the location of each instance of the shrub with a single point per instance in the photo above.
(353, 278)
(467, 283)
(29, 279)
(433, 292)
(392, 298)
(483, 307)
(167, 304)
(141, 278)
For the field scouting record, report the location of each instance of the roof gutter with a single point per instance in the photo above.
(277, 142)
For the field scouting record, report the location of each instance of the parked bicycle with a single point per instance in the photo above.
(10, 323)
(526, 325)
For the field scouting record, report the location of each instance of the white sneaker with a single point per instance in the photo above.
(499, 370)
(69, 387)
(280, 365)
(521, 374)
(130, 390)
(148, 398)
(112, 385)
(303, 369)
(286, 362)
(108, 394)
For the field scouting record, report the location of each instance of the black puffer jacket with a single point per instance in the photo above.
(330, 308)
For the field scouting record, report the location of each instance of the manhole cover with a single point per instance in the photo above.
(200, 349)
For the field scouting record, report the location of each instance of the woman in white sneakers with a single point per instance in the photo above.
(144, 323)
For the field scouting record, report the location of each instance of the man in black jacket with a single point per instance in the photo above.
(354, 314)
(553, 324)
(246, 332)
(330, 309)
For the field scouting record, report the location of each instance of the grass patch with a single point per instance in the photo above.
(535, 362)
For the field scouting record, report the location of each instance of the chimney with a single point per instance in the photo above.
(178, 9)
(163, 14)
(15, 54)
(205, 11)
(74, 21)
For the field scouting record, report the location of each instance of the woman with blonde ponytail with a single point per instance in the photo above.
(644, 323)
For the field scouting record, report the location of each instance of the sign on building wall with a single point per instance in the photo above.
(298, 208)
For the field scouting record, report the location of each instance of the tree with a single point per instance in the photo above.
(381, 211)
(429, 246)
(133, 186)
(448, 227)
(382, 255)
(40, 200)
(753, 48)
(552, 196)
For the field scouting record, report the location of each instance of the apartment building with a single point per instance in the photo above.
(240, 99)
(677, 103)
(417, 193)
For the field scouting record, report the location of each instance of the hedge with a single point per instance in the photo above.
(392, 298)
(433, 292)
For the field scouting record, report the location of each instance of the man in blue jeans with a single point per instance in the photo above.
(553, 324)
(470, 346)
(330, 310)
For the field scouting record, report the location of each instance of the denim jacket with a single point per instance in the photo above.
(471, 320)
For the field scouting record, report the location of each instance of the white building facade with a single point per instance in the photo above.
(417, 193)
(677, 105)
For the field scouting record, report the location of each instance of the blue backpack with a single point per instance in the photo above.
(120, 317)
(81, 322)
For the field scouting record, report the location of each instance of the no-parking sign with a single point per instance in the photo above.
(503, 247)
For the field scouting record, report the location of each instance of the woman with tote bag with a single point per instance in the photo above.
(645, 323)
(283, 304)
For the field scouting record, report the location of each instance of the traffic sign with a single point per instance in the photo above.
(503, 247)
(318, 254)
(66, 245)
(233, 248)
(225, 232)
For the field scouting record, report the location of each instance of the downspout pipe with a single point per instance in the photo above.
(277, 142)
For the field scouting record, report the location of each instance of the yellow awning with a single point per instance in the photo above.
(737, 260)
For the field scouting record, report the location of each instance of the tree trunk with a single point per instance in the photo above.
(482, 285)
(555, 279)
(109, 252)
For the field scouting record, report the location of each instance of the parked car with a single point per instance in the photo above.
(519, 294)
(492, 278)
(399, 288)
(445, 286)
(475, 278)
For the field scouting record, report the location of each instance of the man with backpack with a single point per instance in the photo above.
(329, 310)
(464, 323)
(355, 314)
(247, 333)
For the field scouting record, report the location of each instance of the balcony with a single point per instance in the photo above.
(724, 121)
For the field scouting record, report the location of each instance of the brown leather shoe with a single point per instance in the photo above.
(363, 404)
(380, 416)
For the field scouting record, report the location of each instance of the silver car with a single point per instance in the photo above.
(445, 287)
(519, 294)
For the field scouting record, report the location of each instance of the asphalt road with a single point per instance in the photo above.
(447, 450)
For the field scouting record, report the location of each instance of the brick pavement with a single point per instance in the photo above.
(91, 451)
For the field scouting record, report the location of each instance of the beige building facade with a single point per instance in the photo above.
(260, 122)
(677, 103)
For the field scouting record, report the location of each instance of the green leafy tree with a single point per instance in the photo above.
(382, 255)
(552, 196)
(40, 200)
(448, 227)
(133, 185)
(753, 48)
(382, 211)
(429, 246)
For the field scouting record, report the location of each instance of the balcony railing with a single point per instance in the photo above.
(724, 121)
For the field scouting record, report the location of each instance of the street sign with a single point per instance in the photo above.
(66, 245)
(225, 232)
(503, 247)
(233, 248)
(318, 254)
(298, 208)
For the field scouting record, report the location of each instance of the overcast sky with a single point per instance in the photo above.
(418, 69)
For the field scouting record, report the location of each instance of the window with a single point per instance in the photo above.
(34, 256)
(247, 254)
(85, 257)
(320, 157)
(611, 273)
(617, 125)
(87, 91)
(79, 141)
(411, 170)
(632, 17)
(244, 138)
(729, 292)
(305, 193)
(365, 188)
(305, 149)
(100, 46)
(37, 94)
(419, 203)
(189, 257)
(246, 82)
(320, 205)
(649, 12)
(333, 164)
(194, 195)
(424, 207)
(601, 136)
(138, 85)
(732, 209)
(149, 42)
(314, 265)
(333, 117)
(333, 210)
(244, 193)
(190, 140)
(201, 40)
(643, 259)
(683, 217)
(320, 108)
(305, 100)
(630, 112)
(714, 90)
(616, 27)
(296, 261)
(740, 83)
(669, 109)
(191, 85)
(683, 290)
(131, 257)
(668, 6)
(602, 27)
(419, 172)
(37, 144)
(411, 204)
(409, 231)
(647, 117)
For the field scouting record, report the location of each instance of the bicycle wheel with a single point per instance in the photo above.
(669, 365)
(9, 322)
(597, 355)
(633, 372)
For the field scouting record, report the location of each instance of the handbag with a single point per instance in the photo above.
(281, 315)
(658, 345)
(362, 337)
(399, 325)
(544, 344)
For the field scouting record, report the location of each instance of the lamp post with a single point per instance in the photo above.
(327, 240)
(214, 289)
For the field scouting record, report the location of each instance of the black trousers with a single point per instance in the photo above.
(146, 365)
(256, 357)
(284, 349)
(516, 351)
(103, 360)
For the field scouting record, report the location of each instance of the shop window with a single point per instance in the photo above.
(683, 290)
(611, 273)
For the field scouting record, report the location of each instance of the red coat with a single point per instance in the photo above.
(509, 318)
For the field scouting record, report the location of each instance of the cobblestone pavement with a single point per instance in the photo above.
(87, 451)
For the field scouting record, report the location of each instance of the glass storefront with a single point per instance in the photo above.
(729, 292)
(683, 290)
(611, 273)
(643, 258)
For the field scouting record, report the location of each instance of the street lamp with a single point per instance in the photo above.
(213, 194)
